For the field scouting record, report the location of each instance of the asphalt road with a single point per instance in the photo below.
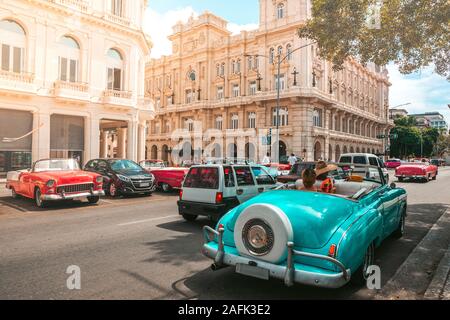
(138, 248)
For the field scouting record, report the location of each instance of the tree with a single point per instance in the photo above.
(442, 146)
(412, 33)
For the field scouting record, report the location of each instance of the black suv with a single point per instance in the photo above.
(122, 177)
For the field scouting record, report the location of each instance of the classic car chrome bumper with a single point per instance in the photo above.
(288, 273)
(72, 196)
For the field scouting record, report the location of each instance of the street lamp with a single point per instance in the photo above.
(280, 60)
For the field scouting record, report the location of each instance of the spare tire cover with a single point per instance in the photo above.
(276, 220)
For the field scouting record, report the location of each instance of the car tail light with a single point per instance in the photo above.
(181, 194)
(219, 197)
(332, 251)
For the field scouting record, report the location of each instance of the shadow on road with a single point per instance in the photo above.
(183, 247)
(226, 284)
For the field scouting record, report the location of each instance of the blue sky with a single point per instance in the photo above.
(248, 9)
(424, 89)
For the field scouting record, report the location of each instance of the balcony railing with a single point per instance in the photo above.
(117, 94)
(117, 19)
(80, 5)
(72, 90)
(73, 86)
(17, 77)
(17, 82)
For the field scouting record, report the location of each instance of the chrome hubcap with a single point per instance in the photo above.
(38, 198)
(112, 190)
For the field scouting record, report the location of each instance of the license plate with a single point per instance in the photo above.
(251, 271)
(145, 185)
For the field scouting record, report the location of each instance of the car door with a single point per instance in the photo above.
(264, 179)
(246, 185)
(390, 208)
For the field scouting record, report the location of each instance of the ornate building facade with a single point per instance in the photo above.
(72, 80)
(228, 82)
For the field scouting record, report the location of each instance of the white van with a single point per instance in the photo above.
(365, 159)
(213, 190)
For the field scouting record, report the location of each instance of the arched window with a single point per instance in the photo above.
(250, 63)
(115, 70)
(280, 11)
(317, 118)
(13, 44)
(272, 56)
(234, 122)
(280, 51)
(283, 117)
(252, 120)
(289, 51)
(219, 123)
(69, 59)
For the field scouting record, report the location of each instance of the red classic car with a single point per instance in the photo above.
(283, 169)
(53, 180)
(150, 165)
(168, 179)
(393, 163)
(417, 170)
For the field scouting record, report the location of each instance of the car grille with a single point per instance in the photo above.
(137, 183)
(75, 188)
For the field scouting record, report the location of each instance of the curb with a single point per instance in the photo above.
(439, 288)
(413, 277)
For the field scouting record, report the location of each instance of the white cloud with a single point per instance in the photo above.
(236, 28)
(425, 90)
(159, 27)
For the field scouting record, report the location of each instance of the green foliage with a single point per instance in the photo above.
(413, 141)
(412, 33)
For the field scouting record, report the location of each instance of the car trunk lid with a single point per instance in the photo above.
(315, 217)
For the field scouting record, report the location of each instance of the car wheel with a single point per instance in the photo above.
(361, 275)
(400, 232)
(93, 200)
(166, 188)
(14, 194)
(113, 192)
(435, 176)
(38, 199)
(189, 217)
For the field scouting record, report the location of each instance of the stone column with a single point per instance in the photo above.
(141, 142)
(41, 137)
(131, 145)
(121, 142)
(104, 144)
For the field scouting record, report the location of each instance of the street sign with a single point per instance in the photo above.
(393, 136)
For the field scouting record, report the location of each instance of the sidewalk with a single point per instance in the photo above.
(425, 273)
(439, 288)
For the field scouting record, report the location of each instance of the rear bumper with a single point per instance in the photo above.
(291, 272)
(206, 209)
(72, 196)
(406, 176)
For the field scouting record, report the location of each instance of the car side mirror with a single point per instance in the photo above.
(393, 186)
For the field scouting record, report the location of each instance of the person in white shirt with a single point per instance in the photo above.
(266, 160)
(292, 159)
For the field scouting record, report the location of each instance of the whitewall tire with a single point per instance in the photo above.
(271, 220)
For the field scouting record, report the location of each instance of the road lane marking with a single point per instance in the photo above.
(145, 221)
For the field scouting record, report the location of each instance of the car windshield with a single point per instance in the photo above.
(124, 165)
(56, 165)
(152, 164)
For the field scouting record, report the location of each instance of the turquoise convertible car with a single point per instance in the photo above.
(310, 238)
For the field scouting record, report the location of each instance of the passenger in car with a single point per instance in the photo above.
(322, 171)
(309, 181)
